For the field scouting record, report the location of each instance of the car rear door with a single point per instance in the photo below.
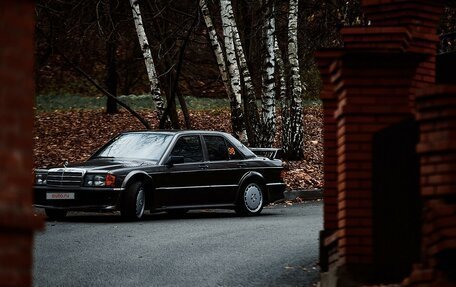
(225, 167)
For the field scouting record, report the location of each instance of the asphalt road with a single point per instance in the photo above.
(201, 248)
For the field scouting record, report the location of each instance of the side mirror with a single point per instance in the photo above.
(174, 159)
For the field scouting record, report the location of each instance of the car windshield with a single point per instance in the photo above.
(150, 146)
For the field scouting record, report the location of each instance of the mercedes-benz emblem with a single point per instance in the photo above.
(65, 164)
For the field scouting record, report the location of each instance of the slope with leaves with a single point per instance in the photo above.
(75, 135)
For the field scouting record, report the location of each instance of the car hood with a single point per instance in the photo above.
(111, 164)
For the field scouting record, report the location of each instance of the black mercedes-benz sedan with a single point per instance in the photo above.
(171, 171)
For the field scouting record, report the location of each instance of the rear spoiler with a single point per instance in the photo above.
(271, 153)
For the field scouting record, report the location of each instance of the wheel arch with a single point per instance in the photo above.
(135, 176)
(256, 177)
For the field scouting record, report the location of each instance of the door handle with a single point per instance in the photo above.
(241, 165)
(203, 166)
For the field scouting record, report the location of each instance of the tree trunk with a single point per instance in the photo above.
(237, 119)
(180, 61)
(250, 107)
(111, 78)
(281, 81)
(151, 72)
(268, 119)
(216, 47)
(233, 71)
(170, 118)
(293, 125)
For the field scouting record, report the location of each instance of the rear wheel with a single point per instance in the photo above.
(55, 214)
(134, 201)
(250, 201)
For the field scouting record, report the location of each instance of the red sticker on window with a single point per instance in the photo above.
(231, 151)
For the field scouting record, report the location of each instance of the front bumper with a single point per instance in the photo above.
(84, 198)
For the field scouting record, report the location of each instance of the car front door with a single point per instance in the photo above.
(184, 183)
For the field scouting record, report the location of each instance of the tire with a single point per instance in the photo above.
(134, 201)
(55, 214)
(251, 199)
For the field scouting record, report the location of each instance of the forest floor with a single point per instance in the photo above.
(74, 135)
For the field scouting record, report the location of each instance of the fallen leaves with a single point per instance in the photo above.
(75, 135)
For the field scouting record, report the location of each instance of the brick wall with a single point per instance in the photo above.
(436, 114)
(17, 222)
(370, 92)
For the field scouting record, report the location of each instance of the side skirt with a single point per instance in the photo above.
(205, 206)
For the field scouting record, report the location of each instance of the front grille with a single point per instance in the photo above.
(63, 177)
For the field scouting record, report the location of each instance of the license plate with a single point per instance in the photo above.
(60, 195)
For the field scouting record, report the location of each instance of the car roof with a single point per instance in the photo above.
(176, 132)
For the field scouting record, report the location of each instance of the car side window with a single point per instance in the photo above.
(189, 147)
(216, 148)
(233, 153)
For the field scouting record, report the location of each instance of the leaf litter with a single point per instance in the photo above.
(74, 135)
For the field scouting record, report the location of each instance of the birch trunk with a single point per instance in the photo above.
(233, 70)
(150, 67)
(250, 107)
(281, 81)
(268, 119)
(216, 47)
(293, 126)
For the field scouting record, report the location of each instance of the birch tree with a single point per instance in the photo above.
(233, 69)
(250, 107)
(268, 118)
(216, 47)
(148, 60)
(292, 113)
(280, 74)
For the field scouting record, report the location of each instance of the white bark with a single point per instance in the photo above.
(233, 68)
(250, 106)
(240, 53)
(293, 51)
(293, 126)
(268, 81)
(150, 66)
(280, 67)
(216, 47)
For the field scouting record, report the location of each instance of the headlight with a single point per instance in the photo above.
(100, 180)
(40, 177)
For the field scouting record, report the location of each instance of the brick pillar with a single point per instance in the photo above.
(328, 254)
(421, 18)
(372, 95)
(329, 100)
(373, 81)
(17, 222)
(436, 113)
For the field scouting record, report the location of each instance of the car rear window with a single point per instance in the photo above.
(216, 148)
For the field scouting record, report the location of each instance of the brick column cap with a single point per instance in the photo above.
(376, 39)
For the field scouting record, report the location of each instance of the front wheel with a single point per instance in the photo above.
(250, 200)
(134, 201)
(55, 214)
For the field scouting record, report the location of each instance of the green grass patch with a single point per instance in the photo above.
(47, 103)
(64, 102)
